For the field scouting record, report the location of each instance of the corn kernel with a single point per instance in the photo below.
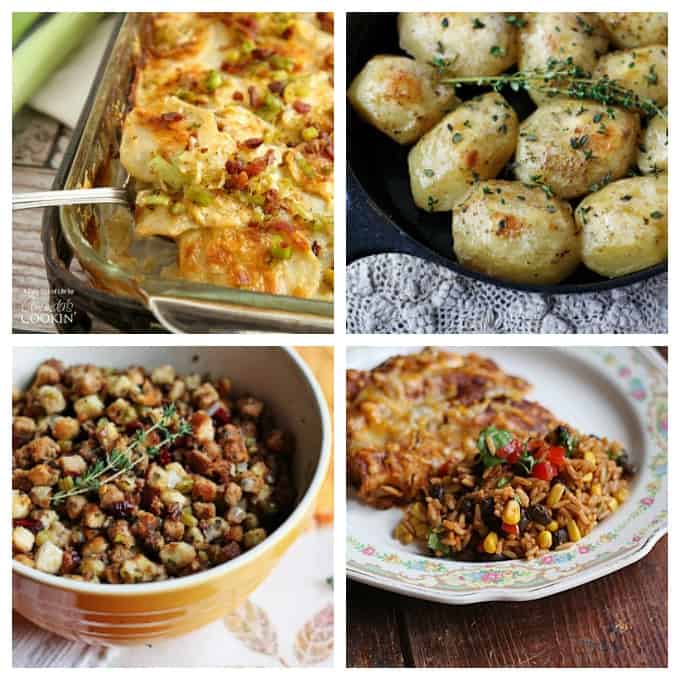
(621, 495)
(490, 543)
(588, 477)
(555, 495)
(613, 504)
(596, 489)
(512, 512)
(573, 531)
(310, 133)
(545, 540)
(589, 456)
(553, 526)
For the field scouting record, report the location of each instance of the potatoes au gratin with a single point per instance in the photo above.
(230, 144)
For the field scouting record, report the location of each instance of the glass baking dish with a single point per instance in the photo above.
(101, 236)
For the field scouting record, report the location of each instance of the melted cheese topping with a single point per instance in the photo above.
(230, 140)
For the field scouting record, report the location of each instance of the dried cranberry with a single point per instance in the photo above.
(222, 416)
(33, 525)
(237, 96)
(276, 86)
(164, 457)
(132, 427)
(121, 509)
(253, 142)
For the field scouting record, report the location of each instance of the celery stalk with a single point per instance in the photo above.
(21, 22)
(36, 59)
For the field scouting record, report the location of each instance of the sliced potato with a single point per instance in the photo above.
(561, 35)
(625, 225)
(653, 151)
(516, 233)
(464, 43)
(643, 70)
(571, 145)
(400, 97)
(473, 142)
(636, 29)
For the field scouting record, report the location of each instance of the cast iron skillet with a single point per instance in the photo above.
(382, 216)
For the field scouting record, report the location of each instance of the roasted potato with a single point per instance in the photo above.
(400, 97)
(571, 145)
(625, 225)
(652, 155)
(473, 142)
(560, 35)
(465, 44)
(643, 70)
(636, 29)
(516, 233)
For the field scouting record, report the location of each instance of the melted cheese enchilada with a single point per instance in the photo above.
(230, 144)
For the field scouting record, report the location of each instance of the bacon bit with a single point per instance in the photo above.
(262, 53)
(288, 33)
(171, 117)
(326, 21)
(33, 525)
(316, 248)
(281, 225)
(255, 167)
(271, 201)
(233, 167)
(276, 86)
(237, 96)
(301, 107)
(252, 143)
(247, 24)
(254, 97)
(237, 181)
(232, 69)
(222, 416)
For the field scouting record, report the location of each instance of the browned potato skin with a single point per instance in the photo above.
(625, 225)
(399, 97)
(548, 136)
(581, 36)
(653, 151)
(516, 233)
(643, 70)
(464, 41)
(636, 29)
(473, 142)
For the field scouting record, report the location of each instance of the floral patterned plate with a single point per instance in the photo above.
(620, 393)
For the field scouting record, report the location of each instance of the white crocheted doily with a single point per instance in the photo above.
(393, 293)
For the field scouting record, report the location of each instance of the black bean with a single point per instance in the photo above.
(523, 520)
(539, 513)
(487, 507)
(467, 507)
(624, 461)
(559, 537)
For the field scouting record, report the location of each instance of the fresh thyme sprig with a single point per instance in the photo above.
(118, 461)
(563, 78)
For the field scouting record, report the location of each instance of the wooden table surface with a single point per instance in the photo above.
(620, 620)
(38, 145)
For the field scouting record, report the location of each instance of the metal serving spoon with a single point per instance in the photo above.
(44, 199)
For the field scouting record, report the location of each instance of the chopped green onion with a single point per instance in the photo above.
(153, 199)
(280, 251)
(199, 195)
(280, 62)
(305, 167)
(213, 81)
(310, 133)
(167, 172)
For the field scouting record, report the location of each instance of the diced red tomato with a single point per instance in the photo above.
(544, 470)
(510, 529)
(557, 456)
(511, 451)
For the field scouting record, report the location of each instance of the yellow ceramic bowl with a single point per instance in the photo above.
(108, 614)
